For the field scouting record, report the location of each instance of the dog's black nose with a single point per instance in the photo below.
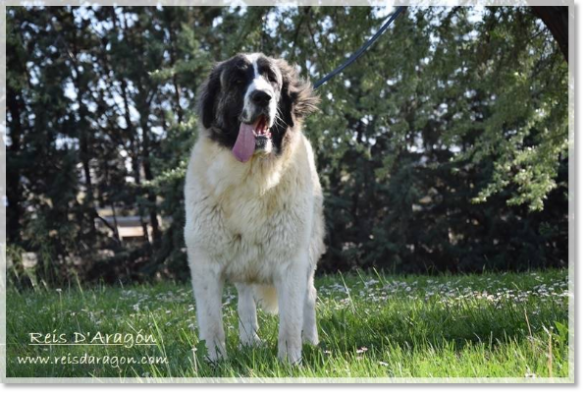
(260, 97)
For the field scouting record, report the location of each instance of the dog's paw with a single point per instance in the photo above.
(251, 341)
(213, 354)
(311, 338)
(290, 354)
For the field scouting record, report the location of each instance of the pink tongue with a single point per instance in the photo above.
(245, 144)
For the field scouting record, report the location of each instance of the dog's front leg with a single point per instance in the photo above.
(208, 287)
(248, 321)
(292, 288)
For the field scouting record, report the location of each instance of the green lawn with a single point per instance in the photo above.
(370, 325)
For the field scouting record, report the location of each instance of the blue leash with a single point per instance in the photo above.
(360, 51)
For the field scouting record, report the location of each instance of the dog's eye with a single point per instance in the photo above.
(239, 81)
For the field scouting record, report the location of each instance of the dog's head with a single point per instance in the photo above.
(251, 104)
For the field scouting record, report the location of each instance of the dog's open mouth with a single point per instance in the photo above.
(261, 128)
(251, 137)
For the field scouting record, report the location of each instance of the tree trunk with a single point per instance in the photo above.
(84, 135)
(556, 19)
(13, 187)
(149, 176)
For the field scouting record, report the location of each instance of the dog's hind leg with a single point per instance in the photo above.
(309, 316)
(248, 322)
(208, 287)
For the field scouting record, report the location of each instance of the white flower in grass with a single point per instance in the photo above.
(361, 350)
(383, 363)
(58, 290)
(370, 282)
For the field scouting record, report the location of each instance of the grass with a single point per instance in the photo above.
(370, 325)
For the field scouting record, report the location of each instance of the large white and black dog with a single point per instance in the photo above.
(254, 203)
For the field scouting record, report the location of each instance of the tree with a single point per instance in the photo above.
(557, 21)
(444, 147)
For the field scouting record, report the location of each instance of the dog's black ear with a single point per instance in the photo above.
(207, 96)
(297, 96)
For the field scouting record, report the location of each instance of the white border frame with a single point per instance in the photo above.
(572, 187)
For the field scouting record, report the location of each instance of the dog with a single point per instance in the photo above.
(253, 202)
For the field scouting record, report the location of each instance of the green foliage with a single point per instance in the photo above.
(444, 148)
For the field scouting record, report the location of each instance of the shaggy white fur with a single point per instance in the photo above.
(259, 225)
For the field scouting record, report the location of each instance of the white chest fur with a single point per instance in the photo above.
(250, 218)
